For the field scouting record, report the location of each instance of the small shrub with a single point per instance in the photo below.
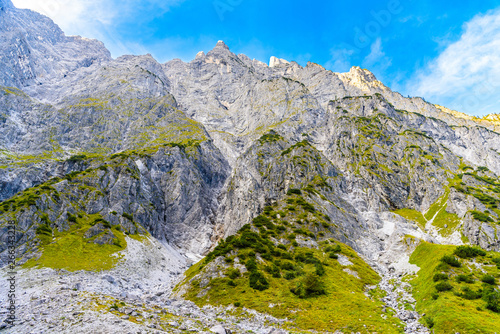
(442, 266)
(492, 299)
(248, 239)
(332, 255)
(319, 269)
(309, 286)
(451, 260)
(78, 157)
(128, 216)
(468, 293)
(258, 281)
(429, 321)
(440, 277)
(270, 137)
(488, 279)
(251, 265)
(287, 265)
(267, 256)
(468, 252)
(306, 257)
(231, 283)
(478, 215)
(281, 229)
(261, 220)
(233, 273)
(464, 278)
(293, 191)
(443, 286)
(45, 219)
(274, 270)
(237, 304)
(44, 229)
(105, 223)
(71, 176)
(333, 249)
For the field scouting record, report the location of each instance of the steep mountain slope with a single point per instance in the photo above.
(299, 193)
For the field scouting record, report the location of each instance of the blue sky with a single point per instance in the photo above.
(445, 51)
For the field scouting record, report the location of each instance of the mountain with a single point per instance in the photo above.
(226, 194)
(35, 51)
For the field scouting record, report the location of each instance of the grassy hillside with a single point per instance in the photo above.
(285, 264)
(457, 288)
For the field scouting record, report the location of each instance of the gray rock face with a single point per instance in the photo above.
(34, 51)
(171, 193)
(246, 98)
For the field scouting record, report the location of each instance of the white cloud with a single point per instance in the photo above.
(341, 60)
(98, 18)
(71, 14)
(465, 76)
(376, 59)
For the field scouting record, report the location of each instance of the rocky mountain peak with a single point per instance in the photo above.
(221, 44)
(364, 74)
(275, 62)
(219, 54)
(361, 78)
(200, 55)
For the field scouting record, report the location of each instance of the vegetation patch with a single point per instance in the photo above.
(413, 215)
(306, 285)
(270, 137)
(456, 298)
(71, 251)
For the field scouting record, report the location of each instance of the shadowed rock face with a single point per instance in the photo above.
(192, 164)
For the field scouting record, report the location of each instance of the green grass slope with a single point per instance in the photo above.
(451, 292)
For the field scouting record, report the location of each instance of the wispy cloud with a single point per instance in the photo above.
(341, 58)
(465, 75)
(376, 59)
(99, 18)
